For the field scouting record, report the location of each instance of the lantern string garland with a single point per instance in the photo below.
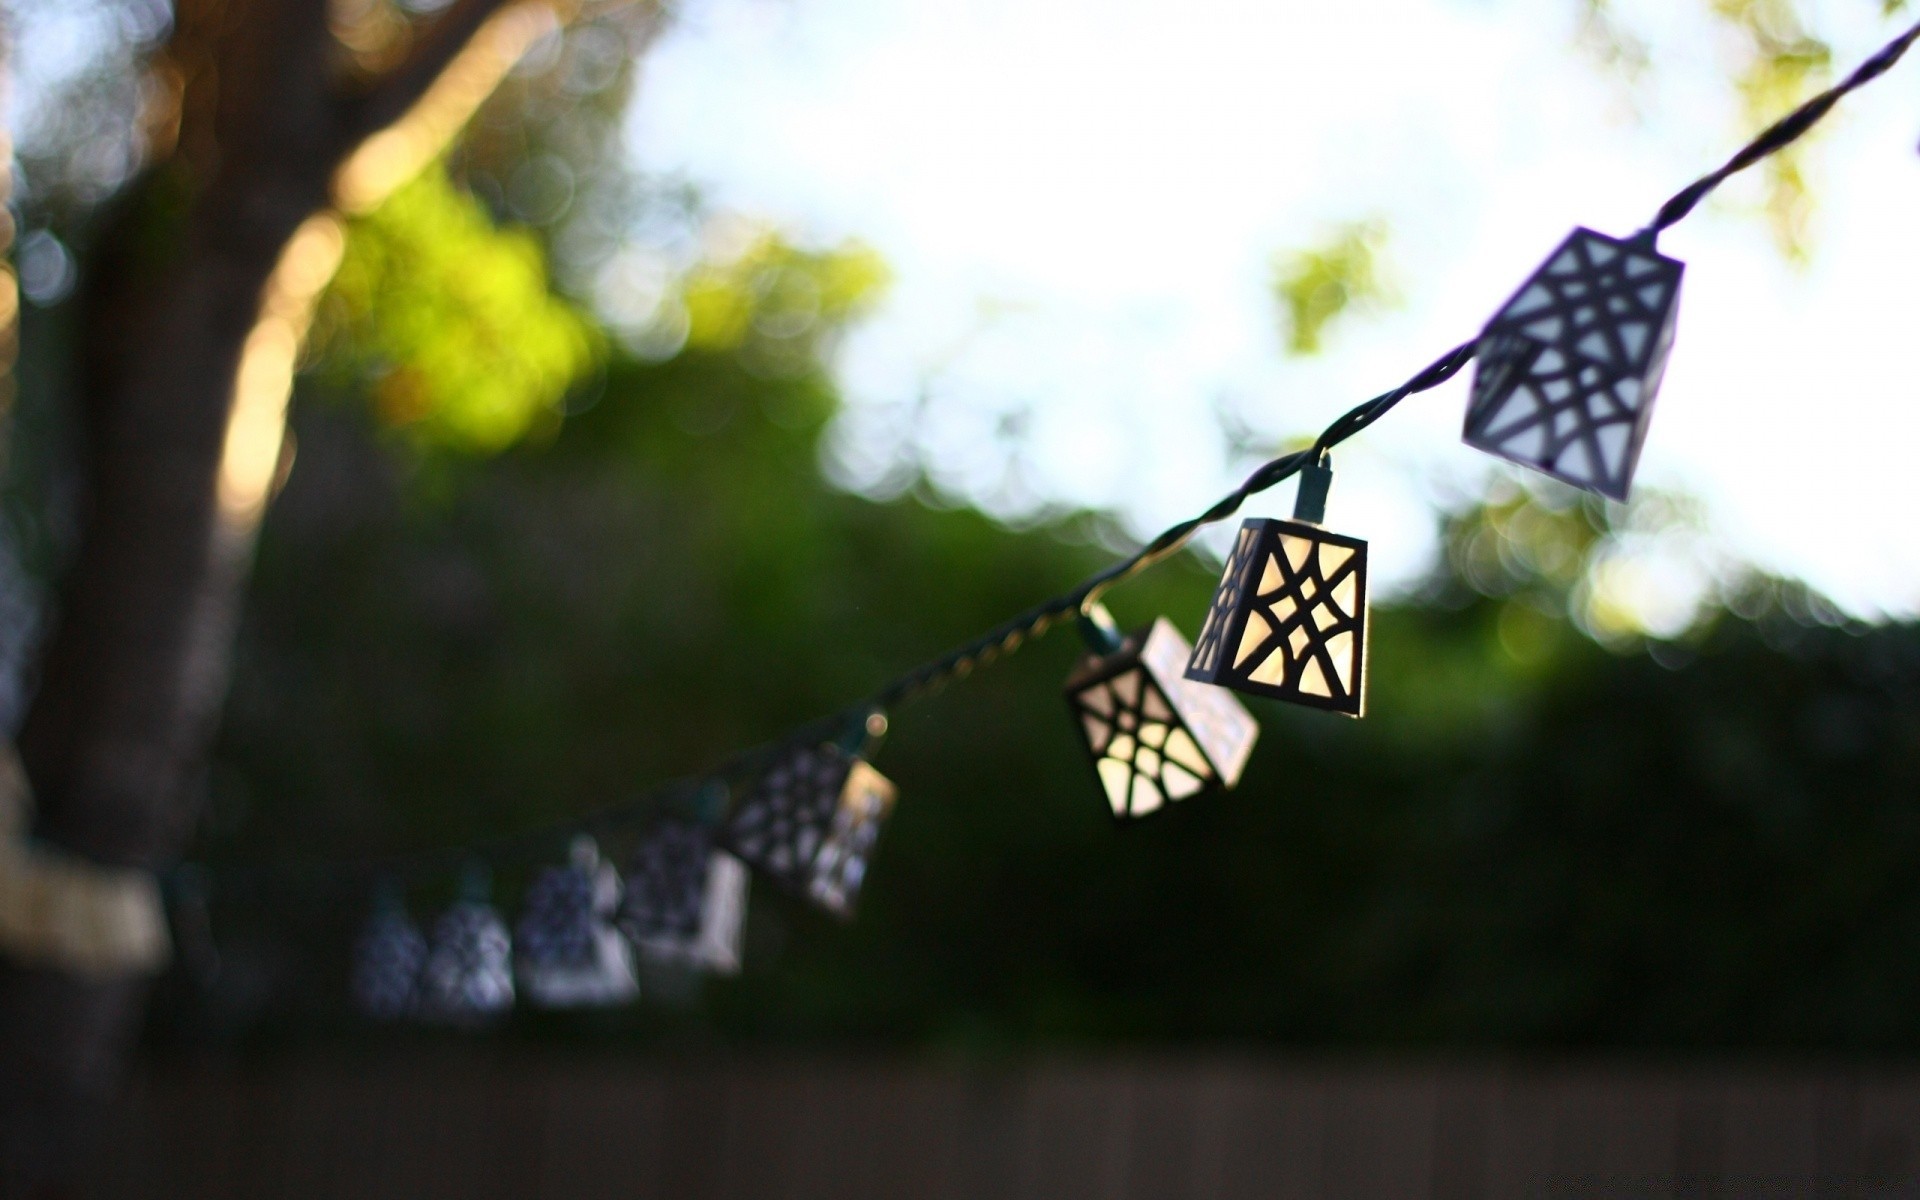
(1289, 619)
(1571, 399)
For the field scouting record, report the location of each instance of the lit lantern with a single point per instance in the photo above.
(1289, 619)
(811, 822)
(1156, 737)
(685, 900)
(387, 958)
(566, 951)
(468, 975)
(1566, 373)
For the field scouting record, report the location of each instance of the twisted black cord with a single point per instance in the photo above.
(1014, 632)
(1782, 133)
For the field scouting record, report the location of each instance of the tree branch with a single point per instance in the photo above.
(400, 89)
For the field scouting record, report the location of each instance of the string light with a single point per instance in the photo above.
(388, 958)
(1155, 737)
(812, 819)
(1289, 620)
(567, 953)
(467, 978)
(1568, 371)
(686, 900)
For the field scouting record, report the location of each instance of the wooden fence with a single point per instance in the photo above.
(1125, 1130)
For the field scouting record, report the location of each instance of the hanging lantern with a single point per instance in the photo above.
(1155, 736)
(811, 821)
(1566, 373)
(566, 951)
(387, 958)
(1290, 617)
(686, 900)
(468, 976)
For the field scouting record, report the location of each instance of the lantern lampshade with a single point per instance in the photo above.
(387, 960)
(1566, 372)
(1289, 619)
(1157, 737)
(686, 900)
(567, 952)
(811, 823)
(468, 975)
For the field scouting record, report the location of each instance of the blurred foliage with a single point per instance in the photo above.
(770, 302)
(1779, 61)
(1603, 37)
(1344, 274)
(1783, 63)
(447, 322)
(1622, 575)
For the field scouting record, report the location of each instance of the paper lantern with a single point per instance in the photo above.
(1155, 736)
(387, 959)
(686, 900)
(1289, 620)
(468, 975)
(811, 822)
(567, 952)
(1565, 374)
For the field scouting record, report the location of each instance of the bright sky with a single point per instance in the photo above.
(1081, 198)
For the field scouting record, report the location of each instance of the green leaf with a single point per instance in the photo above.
(1320, 284)
(446, 321)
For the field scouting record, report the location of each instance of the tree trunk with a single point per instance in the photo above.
(135, 670)
(136, 665)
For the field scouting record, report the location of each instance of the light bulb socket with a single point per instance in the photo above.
(583, 852)
(476, 882)
(863, 732)
(710, 801)
(1310, 502)
(1099, 630)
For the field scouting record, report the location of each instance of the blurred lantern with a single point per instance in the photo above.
(468, 976)
(1155, 736)
(566, 951)
(685, 900)
(811, 821)
(1290, 617)
(388, 957)
(1567, 371)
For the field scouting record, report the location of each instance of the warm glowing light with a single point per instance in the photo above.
(1156, 737)
(1290, 618)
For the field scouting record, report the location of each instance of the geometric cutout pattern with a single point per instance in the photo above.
(1156, 737)
(468, 975)
(386, 962)
(566, 949)
(841, 869)
(556, 928)
(685, 901)
(1289, 619)
(810, 823)
(1566, 373)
